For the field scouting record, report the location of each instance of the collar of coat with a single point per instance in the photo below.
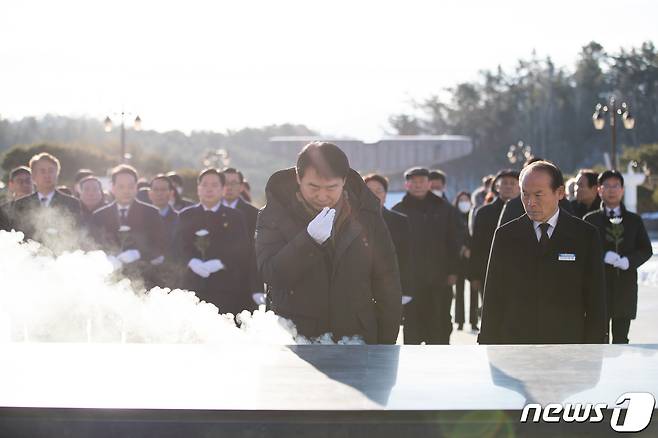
(563, 229)
(281, 190)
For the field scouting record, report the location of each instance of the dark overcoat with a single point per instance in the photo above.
(436, 238)
(485, 222)
(250, 216)
(556, 296)
(636, 245)
(348, 286)
(398, 226)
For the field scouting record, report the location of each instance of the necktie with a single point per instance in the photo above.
(123, 215)
(44, 201)
(544, 240)
(611, 214)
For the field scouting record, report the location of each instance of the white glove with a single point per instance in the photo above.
(213, 265)
(406, 299)
(157, 261)
(116, 264)
(622, 263)
(611, 258)
(197, 266)
(258, 297)
(320, 227)
(129, 256)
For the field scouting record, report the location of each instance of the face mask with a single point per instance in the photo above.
(438, 193)
(464, 206)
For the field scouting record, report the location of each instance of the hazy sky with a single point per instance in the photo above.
(341, 67)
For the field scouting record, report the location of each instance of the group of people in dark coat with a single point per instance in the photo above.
(335, 260)
(206, 247)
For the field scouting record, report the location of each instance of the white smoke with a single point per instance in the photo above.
(73, 297)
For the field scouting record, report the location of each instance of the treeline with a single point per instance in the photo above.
(547, 106)
(84, 143)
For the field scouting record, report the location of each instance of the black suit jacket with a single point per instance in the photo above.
(147, 234)
(170, 221)
(230, 288)
(556, 297)
(581, 210)
(485, 223)
(250, 215)
(398, 227)
(31, 218)
(636, 245)
(5, 214)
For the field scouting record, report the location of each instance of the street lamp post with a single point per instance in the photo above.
(137, 126)
(217, 158)
(598, 119)
(519, 152)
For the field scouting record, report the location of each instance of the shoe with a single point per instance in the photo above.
(460, 326)
(475, 327)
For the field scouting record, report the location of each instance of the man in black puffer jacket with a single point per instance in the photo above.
(324, 251)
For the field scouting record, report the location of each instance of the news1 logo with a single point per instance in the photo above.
(638, 412)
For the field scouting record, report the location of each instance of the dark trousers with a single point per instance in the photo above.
(620, 327)
(474, 302)
(427, 316)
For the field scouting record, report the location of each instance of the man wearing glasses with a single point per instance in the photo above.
(626, 246)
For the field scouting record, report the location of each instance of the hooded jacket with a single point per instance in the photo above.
(347, 286)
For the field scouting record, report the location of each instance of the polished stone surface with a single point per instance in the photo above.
(320, 378)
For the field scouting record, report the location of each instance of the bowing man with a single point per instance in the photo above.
(47, 215)
(213, 243)
(544, 282)
(130, 231)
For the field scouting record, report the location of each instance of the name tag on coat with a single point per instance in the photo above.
(566, 257)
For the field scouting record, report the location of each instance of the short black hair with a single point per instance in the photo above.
(124, 169)
(437, 174)
(326, 158)
(506, 173)
(82, 173)
(65, 190)
(590, 175)
(163, 177)
(175, 178)
(459, 195)
(233, 171)
(211, 171)
(557, 179)
(532, 159)
(416, 171)
(18, 170)
(91, 178)
(381, 179)
(611, 174)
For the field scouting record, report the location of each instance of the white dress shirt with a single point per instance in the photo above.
(48, 198)
(213, 209)
(232, 205)
(552, 222)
